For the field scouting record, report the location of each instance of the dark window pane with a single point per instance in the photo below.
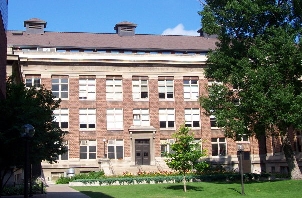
(91, 126)
(55, 94)
(186, 82)
(162, 124)
(214, 149)
(83, 155)
(170, 123)
(56, 124)
(82, 126)
(170, 95)
(222, 150)
(111, 155)
(110, 149)
(119, 152)
(214, 140)
(64, 80)
(55, 80)
(144, 95)
(64, 87)
(92, 148)
(64, 156)
(28, 83)
(194, 82)
(195, 123)
(92, 155)
(64, 94)
(37, 82)
(83, 149)
(161, 95)
(187, 125)
(55, 87)
(64, 124)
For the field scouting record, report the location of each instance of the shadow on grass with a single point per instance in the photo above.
(181, 187)
(96, 194)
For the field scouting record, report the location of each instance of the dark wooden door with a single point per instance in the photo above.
(142, 152)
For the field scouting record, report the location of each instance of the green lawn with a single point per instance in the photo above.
(278, 189)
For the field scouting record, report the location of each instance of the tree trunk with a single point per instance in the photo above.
(184, 180)
(291, 160)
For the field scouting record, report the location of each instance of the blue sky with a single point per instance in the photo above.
(151, 16)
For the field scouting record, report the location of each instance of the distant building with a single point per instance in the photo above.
(124, 94)
(3, 42)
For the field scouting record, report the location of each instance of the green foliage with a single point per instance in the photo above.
(185, 153)
(27, 106)
(259, 53)
(83, 176)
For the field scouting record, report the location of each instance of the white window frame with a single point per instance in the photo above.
(140, 89)
(141, 117)
(167, 116)
(62, 86)
(87, 88)
(31, 81)
(115, 119)
(191, 89)
(61, 115)
(192, 115)
(166, 89)
(243, 138)
(87, 116)
(219, 142)
(91, 149)
(65, 144)
(165, 146)
(114, 89)
(213, 122)
(115, 145)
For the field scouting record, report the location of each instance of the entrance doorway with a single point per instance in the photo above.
(142, 151)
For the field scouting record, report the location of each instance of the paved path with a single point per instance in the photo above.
(62, 191)
(56, 191)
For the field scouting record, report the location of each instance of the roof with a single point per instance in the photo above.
(84, 40)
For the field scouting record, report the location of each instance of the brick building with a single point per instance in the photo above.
(3, 26)
(124, 94)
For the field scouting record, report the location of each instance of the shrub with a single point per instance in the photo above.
(90, 175)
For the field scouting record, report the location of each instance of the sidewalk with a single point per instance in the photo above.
(62, 191)
(56, 191)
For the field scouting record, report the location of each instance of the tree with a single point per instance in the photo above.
(27, 106)
(259, 55)
(185, 153)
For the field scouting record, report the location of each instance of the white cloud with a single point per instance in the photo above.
(180, 30)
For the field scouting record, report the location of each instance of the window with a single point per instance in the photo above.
(141, 117)
(139, 88)
(242, 138)
(87, 118)
(192, 118)
(87, 149)
(59, 87)
(32, 81)
(218, 147)
(167, 118)
(213, 121)
(165, 146)
(115, 149)
(115, 119)
(165, 89)
(191, 88)
(87, 88)
(114, 88)
(64, 156)
(61, 117)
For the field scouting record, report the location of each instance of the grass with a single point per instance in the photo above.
(280, 189)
